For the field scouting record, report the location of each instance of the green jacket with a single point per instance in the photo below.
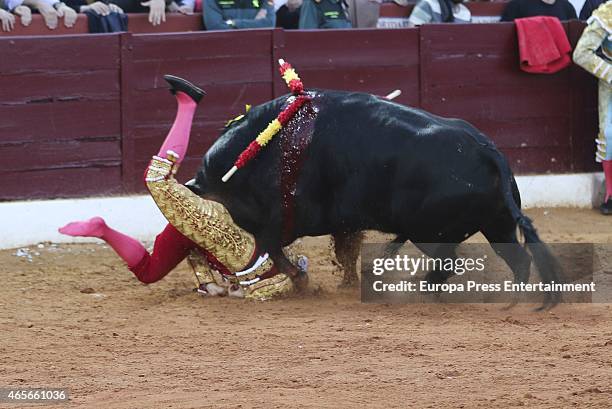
(323, 14)
(241, 12)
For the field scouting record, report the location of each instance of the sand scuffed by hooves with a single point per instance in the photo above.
(73, 316)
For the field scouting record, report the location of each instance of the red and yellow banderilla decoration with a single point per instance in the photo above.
(297, 89)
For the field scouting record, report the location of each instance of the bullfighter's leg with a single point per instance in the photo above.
(170, 248)
(347, 247)
(231, 249)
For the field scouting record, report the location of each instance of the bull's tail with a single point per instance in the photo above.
(546, 263)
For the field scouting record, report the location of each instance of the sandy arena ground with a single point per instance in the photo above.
(73, 316)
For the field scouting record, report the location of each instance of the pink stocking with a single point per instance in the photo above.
(170, 248)
(607, 168)
(178, 137)
(128, 248)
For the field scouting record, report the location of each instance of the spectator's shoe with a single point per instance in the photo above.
(178, 84)
(606, 207)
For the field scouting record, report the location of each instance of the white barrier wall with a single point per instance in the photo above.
(29, 222)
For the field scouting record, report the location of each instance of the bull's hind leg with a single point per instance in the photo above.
(502, 237)
(438, 251)
(347, 247)
(503, 240)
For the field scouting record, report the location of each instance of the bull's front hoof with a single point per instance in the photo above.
(300, 282)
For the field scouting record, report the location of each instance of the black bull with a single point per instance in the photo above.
(373, 164)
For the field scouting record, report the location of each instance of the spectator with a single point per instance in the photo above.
(6, 18)
(288, 15)
(589, 7)
(594, 53)
(52, 10)
(8, 10)
(185, 7)
(230, 14)
(99, 7)
(323, 14)
(439, 11)
(102, 17)
(562, 9)
(155, 8)
(364, 13)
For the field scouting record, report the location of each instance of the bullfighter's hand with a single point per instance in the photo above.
(262, 13)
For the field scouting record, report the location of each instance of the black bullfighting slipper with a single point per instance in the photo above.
(178, 84)
(606, 207)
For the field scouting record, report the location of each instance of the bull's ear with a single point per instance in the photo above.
(181, 85)
(231, 121)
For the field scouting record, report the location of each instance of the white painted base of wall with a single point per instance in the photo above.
(571, 190)
(29, 222)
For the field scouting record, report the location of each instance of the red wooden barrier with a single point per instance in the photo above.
(81, 115)
(59, 116)
(474, 75)
(355, 60)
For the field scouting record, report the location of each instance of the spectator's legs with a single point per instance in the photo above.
(607, 168)
(605, 139)
(363, 13)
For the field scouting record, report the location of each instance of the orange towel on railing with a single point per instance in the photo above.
(543, 45)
